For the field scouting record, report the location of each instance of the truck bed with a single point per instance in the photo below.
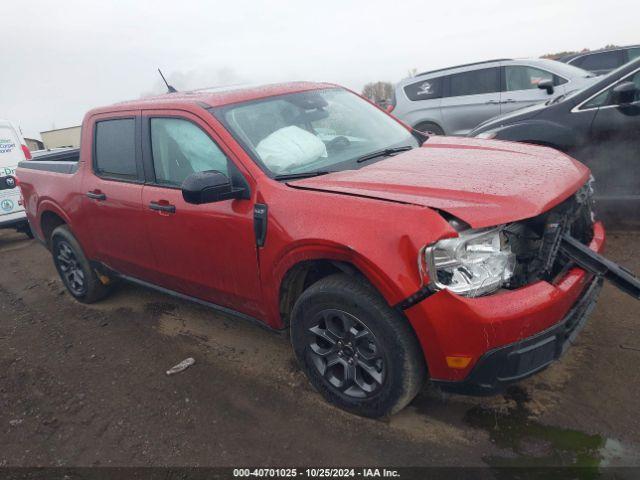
(65, 161)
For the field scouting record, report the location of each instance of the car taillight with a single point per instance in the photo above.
(27, 152)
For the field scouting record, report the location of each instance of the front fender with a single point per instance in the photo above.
(539, 131)
(379, 238)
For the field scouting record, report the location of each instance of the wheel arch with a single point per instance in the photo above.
(50, 218)
(432, 122)
(307, 264)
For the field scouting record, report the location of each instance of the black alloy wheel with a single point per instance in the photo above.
(346, 353)
(70, 269)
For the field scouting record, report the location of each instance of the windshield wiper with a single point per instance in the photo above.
(294, 176)
(387, 152)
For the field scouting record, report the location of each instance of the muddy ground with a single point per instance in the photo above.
(86, 385)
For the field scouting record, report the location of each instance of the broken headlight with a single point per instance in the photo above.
(475, 263)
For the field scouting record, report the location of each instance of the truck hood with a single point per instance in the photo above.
(483, 182)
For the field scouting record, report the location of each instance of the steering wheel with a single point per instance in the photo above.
(338, 143)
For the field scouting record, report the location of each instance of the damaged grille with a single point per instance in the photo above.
(536, 241)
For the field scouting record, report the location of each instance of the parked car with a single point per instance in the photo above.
(13, 149)
(305, 207)
(603, 61)
(452, 101)
(598, 125)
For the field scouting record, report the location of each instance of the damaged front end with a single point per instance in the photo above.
(536, 241)
(547, 246)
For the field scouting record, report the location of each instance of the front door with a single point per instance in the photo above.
(614, 153)
(521, 87)
(112, 211)
(205, 251)
(470, 99)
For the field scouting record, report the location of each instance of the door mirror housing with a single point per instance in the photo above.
(624, 93)
(546, 85)
(209, 187)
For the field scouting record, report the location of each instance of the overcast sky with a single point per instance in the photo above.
(61, 58)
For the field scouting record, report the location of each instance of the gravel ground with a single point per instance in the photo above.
(86, 385)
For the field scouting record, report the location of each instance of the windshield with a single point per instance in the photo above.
(314, 131)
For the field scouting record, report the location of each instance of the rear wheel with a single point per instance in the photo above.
(429, 128)
(358, 352)
(74, 269)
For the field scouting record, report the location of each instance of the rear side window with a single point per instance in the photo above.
(116, 148)
(424, 89)
(475, 82)
(601, 61)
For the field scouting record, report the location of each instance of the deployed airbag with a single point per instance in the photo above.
(288, 147)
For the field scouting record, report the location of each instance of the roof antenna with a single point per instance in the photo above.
(169, 87)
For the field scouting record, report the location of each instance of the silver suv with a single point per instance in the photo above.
(452, 101)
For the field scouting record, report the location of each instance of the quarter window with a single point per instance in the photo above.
(474, 82)
(424, 89)
(180, 148)
(116, 148)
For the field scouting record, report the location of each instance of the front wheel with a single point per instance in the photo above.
(358, 352)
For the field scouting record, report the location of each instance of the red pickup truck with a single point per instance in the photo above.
(390, 256)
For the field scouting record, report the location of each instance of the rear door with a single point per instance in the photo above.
(10, 154)
(205, 251)
(112, 198)
(470, 98)
(520, 87)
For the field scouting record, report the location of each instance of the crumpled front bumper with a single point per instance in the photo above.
(499, 328)
(508, 364)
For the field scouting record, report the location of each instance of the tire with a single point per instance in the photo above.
(74, 269)
(429, 128)
(379, 350)
(26, 229)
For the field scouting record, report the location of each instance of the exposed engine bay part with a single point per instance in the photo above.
(600, 266)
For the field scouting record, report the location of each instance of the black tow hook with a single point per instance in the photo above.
(602, 267)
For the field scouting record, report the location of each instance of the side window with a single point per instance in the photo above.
(604, 98)
(601, 61)
(633, 53)
(520, 77)
(115, 148)
(424, 89)
(180, 148)
(475, 82)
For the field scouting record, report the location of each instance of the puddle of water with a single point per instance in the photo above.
(539, 448)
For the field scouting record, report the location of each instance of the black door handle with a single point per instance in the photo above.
(162, 208)
(96, 196)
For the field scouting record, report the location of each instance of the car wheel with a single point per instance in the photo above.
(74, 269)
(429, 128)
(357, 351)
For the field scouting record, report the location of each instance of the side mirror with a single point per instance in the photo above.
(209, 187)
(624, 93)
(8, 182)
(546, 85)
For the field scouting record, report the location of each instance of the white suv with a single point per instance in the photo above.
(452, 101)
(12, 151)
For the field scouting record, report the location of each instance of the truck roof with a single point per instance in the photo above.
(217, 96)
